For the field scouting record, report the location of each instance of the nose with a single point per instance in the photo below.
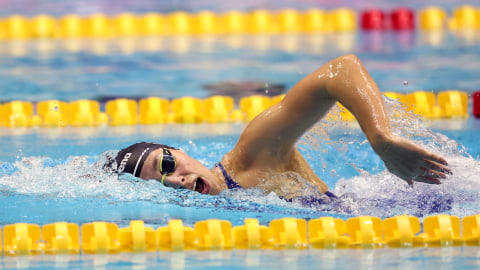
(186, 181)
(176, 182)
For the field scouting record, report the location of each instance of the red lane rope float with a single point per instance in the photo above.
(476, 104)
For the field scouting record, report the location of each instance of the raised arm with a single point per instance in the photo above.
(274, 132)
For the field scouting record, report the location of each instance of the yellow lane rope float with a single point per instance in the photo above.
(190, 110)
(465, 17)
(213, 234)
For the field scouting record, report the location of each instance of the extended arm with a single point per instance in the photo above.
(274, 133)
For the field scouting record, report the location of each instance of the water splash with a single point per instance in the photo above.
(337, 150)
(76, 178)
(373, 190)
(384, 194)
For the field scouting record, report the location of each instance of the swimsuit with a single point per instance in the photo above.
(228, 179)
(305, 200)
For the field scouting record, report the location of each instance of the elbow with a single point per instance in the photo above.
(342, 70)
(349, 61)
(345, 76)
(346, 70)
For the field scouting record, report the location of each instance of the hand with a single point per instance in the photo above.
(411, 162)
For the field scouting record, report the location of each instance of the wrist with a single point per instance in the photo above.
(381, 142)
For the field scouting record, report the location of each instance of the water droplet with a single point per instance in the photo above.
(405, 82)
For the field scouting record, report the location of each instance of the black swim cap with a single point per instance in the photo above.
(131, 159)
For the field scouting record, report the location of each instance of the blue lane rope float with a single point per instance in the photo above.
(214, 234)
(190, 110)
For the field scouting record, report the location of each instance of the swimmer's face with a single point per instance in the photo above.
(189, 173)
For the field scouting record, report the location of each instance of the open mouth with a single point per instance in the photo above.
(201, 186)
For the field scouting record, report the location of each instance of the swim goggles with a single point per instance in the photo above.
(166, 164)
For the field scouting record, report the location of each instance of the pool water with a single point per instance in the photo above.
(53, 174)
(50, 166)
(171, 67)
(411, 258)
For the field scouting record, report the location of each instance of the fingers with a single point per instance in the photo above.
(437, 159)
(433, 173)
(430, 176)
(436, 167)
(418, 165)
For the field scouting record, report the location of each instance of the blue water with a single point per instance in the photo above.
(48, 166)
(48, 174)
(411, 258)
(181, 66)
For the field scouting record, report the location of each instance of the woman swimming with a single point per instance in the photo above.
(267, 145)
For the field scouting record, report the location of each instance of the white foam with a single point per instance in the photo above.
(74, 177)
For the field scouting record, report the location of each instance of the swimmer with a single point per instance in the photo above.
(266, 147)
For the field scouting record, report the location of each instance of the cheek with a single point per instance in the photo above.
(183, 166)
(190, 166)
(149, 174)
